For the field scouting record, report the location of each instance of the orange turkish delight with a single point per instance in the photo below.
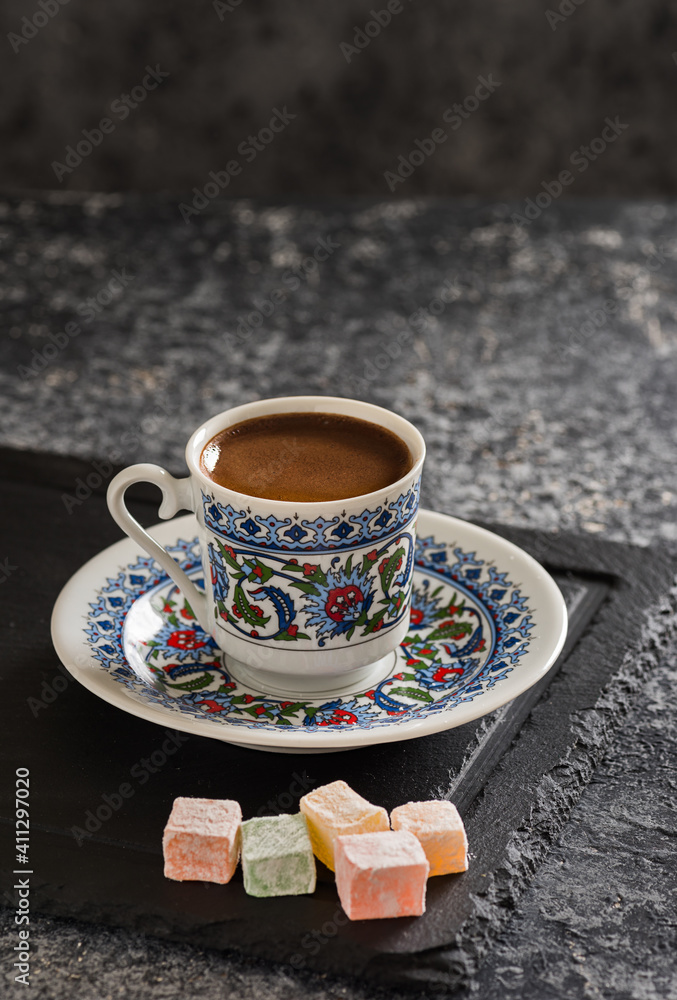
(440, 830)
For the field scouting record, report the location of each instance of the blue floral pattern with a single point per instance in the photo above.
(339, 533)
(470, 626)
(267, 595)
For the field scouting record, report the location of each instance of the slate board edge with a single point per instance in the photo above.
(444, 968)
(451, 968)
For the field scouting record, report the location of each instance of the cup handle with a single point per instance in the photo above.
(176, 495)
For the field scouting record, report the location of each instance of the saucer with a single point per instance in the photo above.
(486, 623)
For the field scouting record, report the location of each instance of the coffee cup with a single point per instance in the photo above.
(306, 596)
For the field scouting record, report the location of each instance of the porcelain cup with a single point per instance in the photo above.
(307, 597)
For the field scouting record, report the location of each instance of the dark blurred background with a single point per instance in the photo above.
(563, 68)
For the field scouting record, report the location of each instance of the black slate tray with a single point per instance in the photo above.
(514, 775)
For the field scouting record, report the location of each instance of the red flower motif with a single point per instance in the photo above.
(213, 706)
(373, 555)
(378, 625)
(412, 661)
(185, 613)
(308, 569)
(416, 616)
(441, 672)
(257, 610)
(236, 611)
(167, 607)
(339, 717)
(247, 699)
(342, 600)
(185, 640)
(481, 645)
(260, 709)
(295, 562)
(398, 677)
(370, 694)
(230, 551)
(254, 634)
(292, 630)
(382, 565)
(453, 609)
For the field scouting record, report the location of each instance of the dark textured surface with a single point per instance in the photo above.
(114, 875)
(529, 420)
(559, 82)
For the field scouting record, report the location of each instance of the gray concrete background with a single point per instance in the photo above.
(540, 405)
(559, 82)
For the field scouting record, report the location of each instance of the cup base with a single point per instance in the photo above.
(311, 686)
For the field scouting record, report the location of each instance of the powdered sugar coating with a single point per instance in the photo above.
(335, 810)
(381, 875)
(201, 841)
(277, 857)
(439, 827)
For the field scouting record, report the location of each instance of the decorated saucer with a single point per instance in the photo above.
(486, 623)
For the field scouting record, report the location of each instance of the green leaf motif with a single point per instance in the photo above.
(195, 684)
(285, 637)
(374, 621)
(454, 630)
(264, 574)
(227, 556)
(367, 564)
(318, 577)
(307, 588)
(391, 569)
(293, 709)
(416, 693)
(244, 607)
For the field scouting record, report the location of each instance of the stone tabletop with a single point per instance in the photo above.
(539, 360)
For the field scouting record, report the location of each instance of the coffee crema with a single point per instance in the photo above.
(305, 457)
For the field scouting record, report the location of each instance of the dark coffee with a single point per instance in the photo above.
(305, 457)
